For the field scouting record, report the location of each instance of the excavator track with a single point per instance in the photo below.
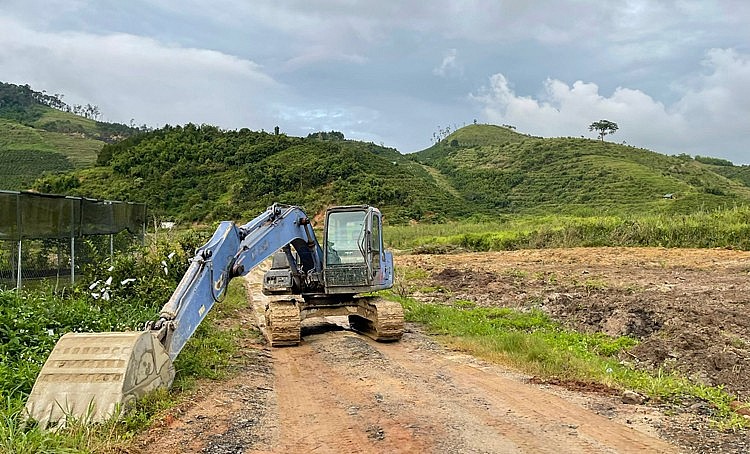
(282, 323)
(378, 319)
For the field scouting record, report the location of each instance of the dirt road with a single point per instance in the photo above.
(340, 392)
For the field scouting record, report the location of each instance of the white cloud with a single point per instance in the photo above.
(710, 118)
(131, 76)
(449, 66)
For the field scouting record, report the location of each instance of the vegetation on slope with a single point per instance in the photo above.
(202, 173)
(198, 173)
(499, 169)
(39, 134)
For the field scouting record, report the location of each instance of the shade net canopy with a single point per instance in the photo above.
(38, 216)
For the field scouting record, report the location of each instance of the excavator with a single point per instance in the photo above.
(93, 376)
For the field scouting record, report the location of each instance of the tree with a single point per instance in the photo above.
(604, 127)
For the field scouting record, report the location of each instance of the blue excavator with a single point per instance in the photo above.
(93, 376)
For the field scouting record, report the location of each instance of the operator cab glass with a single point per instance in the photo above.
(354, 259)
(346, 237)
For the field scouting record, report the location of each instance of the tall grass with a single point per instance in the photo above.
(725, 228)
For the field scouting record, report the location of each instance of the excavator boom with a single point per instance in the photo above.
(91, 375)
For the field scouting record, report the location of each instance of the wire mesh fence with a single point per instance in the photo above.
(46, 238)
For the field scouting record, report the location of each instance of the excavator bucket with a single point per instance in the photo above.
(89, 376)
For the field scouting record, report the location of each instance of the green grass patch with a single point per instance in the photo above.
(31, 322)
(531, 342)
(721, 228)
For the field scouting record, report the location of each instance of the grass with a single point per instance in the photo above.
(531, 342)
(720, 228)
(27, 153)
(206, 356)
(32, 321)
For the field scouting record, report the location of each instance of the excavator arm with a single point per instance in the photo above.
(91, 375)
(233, 251)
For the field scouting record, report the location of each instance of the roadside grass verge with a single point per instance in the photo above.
(31, 322)
(532, 343)
(726, 228)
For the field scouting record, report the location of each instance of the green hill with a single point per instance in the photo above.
(37, 137)
(197, 173)
(203, 173)
(499, 169)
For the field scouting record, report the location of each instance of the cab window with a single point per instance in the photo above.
(375, 242)
(346, 237)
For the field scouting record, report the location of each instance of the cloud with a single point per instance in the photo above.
(449, 65)
(131, 76)
(709, 118)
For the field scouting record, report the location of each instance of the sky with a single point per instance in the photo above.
(673, 74)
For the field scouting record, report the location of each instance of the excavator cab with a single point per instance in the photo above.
(354, 260)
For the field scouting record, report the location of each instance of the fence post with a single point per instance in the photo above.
(18, 272)
(111, 249)
(72, 260)
(72, 243)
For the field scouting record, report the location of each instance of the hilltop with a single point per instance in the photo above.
(39, 133)
(500, 169)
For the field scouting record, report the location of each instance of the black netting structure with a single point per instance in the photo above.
(44, 235)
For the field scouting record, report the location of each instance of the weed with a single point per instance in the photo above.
(516, 273)
(31, 322)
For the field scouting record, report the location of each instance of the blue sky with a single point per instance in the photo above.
(674, 75)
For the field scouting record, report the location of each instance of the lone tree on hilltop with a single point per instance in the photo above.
(604, 127)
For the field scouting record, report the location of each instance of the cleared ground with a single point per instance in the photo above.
(340, 392)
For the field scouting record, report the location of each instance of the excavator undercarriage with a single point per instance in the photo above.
(374, 317)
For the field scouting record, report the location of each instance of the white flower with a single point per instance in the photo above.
(171, 254)
(91, 287)
(50, 332)
(111, 268)
(95, 295)
(105, 295)
(127, 281)
(108, 281)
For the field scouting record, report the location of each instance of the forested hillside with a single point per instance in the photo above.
(202, 173)
(40, 133)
